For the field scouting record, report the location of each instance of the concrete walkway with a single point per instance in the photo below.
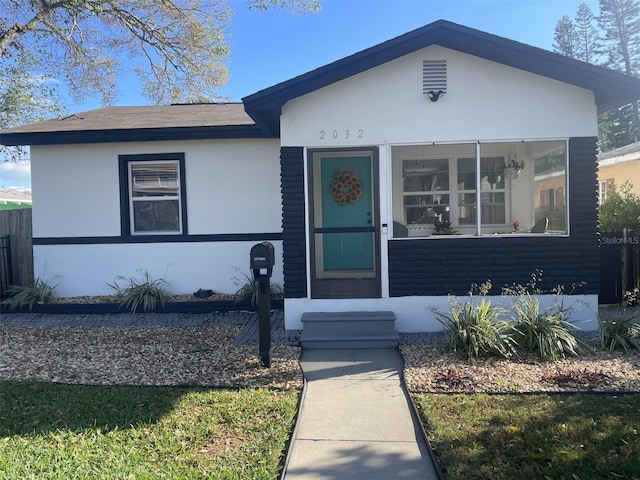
(356, 421)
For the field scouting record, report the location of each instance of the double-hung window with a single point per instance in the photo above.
(153, 194)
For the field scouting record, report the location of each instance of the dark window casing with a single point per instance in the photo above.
(125, 212)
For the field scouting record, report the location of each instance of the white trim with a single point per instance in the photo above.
(415, 314)
(165, 198)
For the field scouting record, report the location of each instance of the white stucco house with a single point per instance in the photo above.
(353, 171)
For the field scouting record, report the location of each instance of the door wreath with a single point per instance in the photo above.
(346, 188)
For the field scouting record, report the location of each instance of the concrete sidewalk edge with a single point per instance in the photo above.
(294, 432)
(415, 413)
(413, 410)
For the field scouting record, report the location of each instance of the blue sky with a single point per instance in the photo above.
(274, 46)
(270, 47)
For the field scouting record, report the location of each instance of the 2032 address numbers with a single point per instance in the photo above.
(341, 134)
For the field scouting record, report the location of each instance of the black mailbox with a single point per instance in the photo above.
(262, 259)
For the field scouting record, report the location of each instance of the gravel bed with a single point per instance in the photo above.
(195, 356)
(432, 369)
(211, 355)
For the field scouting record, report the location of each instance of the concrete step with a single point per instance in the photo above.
(349, 330)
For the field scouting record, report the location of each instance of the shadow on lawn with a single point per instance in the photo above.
(556, 436)
(28, 408)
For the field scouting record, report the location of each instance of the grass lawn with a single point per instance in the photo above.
(571, 437)
(57, 431)
(13, 205)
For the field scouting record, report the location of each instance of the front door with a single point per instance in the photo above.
(344, 224)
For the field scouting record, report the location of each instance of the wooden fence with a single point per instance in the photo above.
(619, 265)
(16, 224)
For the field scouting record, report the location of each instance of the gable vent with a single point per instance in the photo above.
(434, 78)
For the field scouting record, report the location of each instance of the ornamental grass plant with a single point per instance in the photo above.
(250, 289)
(145, 293)
(622, 331)
(20, 296)
(475, 328)
(547, 333)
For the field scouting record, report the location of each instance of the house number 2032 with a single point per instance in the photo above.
(341, 134)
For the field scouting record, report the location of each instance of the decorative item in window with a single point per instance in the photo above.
(346, 187)
(443, 227)
(513, 168)
(516, 226)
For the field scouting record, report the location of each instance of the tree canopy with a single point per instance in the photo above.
(621, 209)
(612, 40)
(177, 48)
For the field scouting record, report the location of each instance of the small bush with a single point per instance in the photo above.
(547, 333)
(20, 296)
(476, 329)
(250, 289)
(621, 331)
(145, 293)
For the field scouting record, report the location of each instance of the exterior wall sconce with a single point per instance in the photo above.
(435, 96)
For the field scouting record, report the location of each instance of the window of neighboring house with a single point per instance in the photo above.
(153, 194)
(437, 188)
(604, 187)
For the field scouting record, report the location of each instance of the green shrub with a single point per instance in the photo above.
(621, 209)
(621, 331)
(475, 329)
(250, 289)
(20, 296)
(547, 333)
(145, 293)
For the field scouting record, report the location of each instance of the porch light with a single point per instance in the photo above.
(435, 96)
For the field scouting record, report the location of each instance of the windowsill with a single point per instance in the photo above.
(155, 238)
(488, 235)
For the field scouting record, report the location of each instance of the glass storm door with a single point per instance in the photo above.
(344, 224)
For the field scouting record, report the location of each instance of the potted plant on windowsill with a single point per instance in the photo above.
(443, 227)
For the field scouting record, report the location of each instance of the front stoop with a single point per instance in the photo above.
(349, 330)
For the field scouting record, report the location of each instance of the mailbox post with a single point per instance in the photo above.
(262, 259)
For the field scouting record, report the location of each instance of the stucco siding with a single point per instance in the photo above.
(75, 191)
(622, 172)
(484, 101)
(232, 186)
(86, 269)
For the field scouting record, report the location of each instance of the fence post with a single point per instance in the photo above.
(6, 267)
(628, 250)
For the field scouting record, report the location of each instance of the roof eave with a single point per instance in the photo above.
(133, 135)
(265, 106)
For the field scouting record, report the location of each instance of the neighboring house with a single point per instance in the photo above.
(11, 198)
(618, 166)
(350, 171)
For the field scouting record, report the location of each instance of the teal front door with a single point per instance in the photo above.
(344, 224)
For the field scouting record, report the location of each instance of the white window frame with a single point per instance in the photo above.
(176, 192)
(477, 229)
(453, 192)
(132, 200)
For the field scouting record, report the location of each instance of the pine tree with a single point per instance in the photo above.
(619, 22)
(587, 33)
(566, 38)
